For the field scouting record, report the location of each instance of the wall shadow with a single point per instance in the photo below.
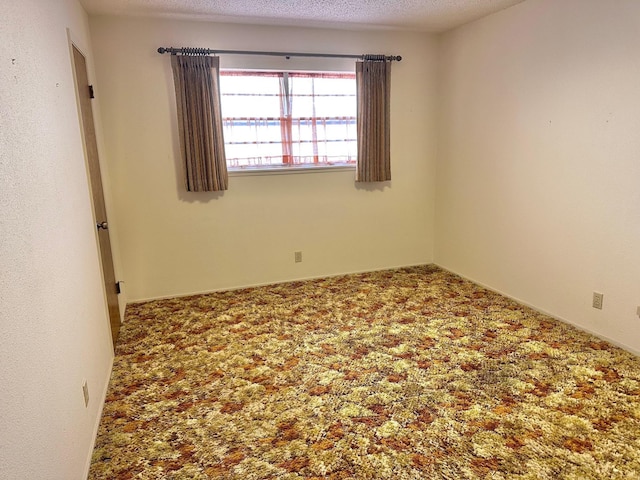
(373, 186)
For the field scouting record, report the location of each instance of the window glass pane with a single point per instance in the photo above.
(300, 85)
(248, 83)
(302, 106)
(250, 106)
(335, 106)
(251, 96)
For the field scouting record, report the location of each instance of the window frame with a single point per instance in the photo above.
(294, 168)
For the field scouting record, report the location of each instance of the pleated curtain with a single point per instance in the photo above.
(196, 80)
(373, 81)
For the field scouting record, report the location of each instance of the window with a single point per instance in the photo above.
(275, 120)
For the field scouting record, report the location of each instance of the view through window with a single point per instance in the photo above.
(277, 120)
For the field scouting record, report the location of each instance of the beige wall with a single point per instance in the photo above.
(538, 177)
(54, 328)
(173, 242)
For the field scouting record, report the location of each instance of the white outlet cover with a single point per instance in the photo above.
(597, 300)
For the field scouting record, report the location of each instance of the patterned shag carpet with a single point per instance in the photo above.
(405, 374)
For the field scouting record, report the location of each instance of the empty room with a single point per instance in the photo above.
(319, 240)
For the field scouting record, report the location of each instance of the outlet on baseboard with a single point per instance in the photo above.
(597, 300)
(85, 392)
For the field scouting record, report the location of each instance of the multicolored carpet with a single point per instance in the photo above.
(405, 374)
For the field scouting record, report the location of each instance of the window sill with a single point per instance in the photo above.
(242, 172)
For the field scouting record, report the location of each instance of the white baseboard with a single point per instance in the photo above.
(279, 282)
(96, 426)
(544, 312)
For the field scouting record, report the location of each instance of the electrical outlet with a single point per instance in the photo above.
(298, 257)
(597, 300)
(638, 311)
(85, 392)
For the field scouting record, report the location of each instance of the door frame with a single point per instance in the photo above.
(114, 315)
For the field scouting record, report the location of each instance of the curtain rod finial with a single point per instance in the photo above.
(161, 50)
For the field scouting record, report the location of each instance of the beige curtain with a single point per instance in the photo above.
(373, 81)
(196, 80)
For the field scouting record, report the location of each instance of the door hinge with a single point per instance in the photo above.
(118, 288)
(91, 92)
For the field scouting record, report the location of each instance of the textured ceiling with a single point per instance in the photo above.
(425, 15)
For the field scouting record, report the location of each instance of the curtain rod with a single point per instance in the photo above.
(208, 51)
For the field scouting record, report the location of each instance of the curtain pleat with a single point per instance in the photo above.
(196, 80)
(373, 81)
